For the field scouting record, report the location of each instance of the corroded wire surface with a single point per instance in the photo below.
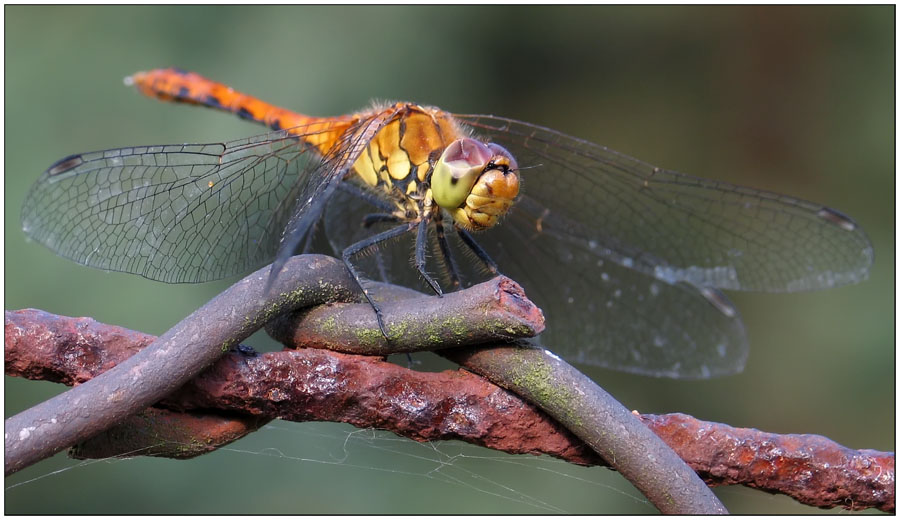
(809, 468)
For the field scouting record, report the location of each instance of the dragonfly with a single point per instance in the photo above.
(627, 260)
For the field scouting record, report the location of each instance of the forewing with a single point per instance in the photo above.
(176, 213)
(677, 227)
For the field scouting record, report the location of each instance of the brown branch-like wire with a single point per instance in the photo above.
(158, 432)
(812, 469)
(494, 310)
(301, 385)
(196, 342)
(599, 420)
(664, 478)
(556, 387)
(171, 360)
(365, 391)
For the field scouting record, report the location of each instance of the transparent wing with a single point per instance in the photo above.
(176, 213)
(321, 186)
(676, 227)
(623, 257)
(601, 313)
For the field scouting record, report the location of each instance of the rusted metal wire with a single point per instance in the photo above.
(812, 469)
(598, 419)
(557, 388)
(498, 309)
(157, 432)
(197, 341)
(171, 360)
(494, 310)
(368, 392)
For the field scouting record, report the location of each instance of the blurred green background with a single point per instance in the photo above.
(798, 100)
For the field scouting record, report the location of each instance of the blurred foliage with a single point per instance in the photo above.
(798, 100)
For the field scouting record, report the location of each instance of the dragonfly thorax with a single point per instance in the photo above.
(475, 182)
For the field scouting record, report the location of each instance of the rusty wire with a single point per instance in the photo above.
(471, 315)
(373, 393)
(171, 360)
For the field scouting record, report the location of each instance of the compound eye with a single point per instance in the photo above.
(502, 158)
(456, 171)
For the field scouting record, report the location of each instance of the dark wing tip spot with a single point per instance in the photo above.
(65, 164)
(837, 218)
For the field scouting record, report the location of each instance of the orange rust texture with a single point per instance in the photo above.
(307, 384)
(70, 350)
(811, 468)
(311, 384)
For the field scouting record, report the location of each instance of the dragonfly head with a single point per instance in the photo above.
(475, 182)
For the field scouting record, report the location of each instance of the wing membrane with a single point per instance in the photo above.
(677, 227)
(623, 256)
(321, 186)
(176, 213)
(601, 313)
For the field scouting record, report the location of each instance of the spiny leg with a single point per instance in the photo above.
(446, 252)
(370, 220)
(373, 218)
(376, 218)
(482, 255)
(354, 249)
(421, 246)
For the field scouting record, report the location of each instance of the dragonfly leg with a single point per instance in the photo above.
(355, 249)
(370, 220)
(482, 255)
(421, 243)
(376, 218)
(373, 218)
(452, 267)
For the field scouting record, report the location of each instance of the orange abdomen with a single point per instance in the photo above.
(174, 84)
